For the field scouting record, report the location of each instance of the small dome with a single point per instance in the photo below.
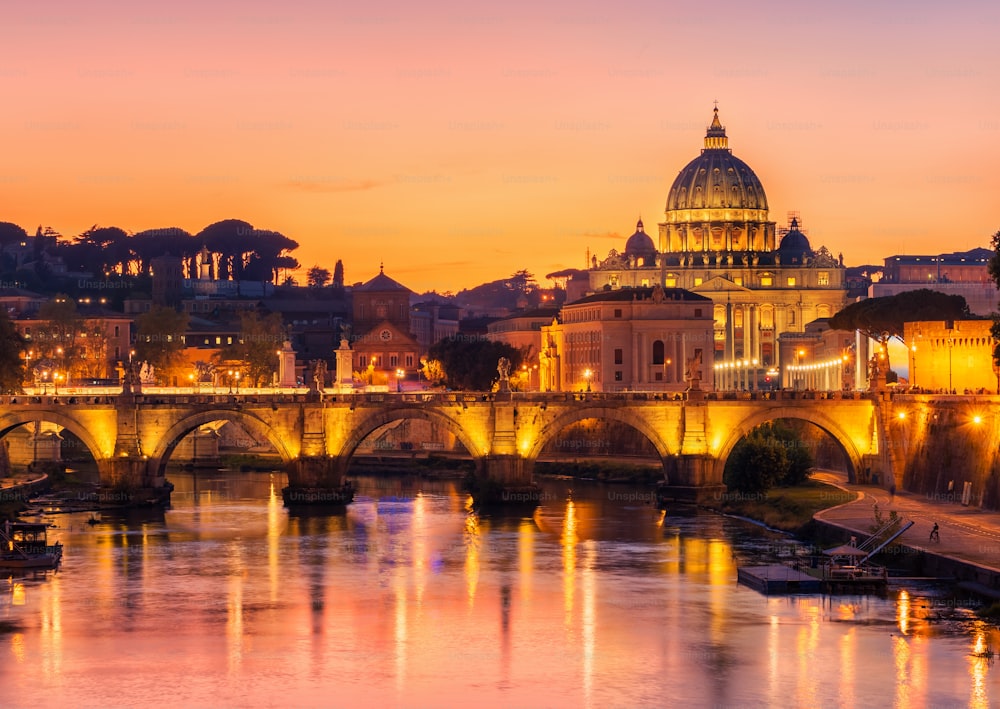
(641, 246)
(794, 245)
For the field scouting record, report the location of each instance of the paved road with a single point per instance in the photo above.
(967, 533)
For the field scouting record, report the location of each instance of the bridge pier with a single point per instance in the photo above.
(127, 481)
(317, 480)
(504, 480)
(691, 478)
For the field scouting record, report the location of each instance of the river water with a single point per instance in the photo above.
(407, 599)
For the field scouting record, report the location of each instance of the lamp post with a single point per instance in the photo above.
(798, 363)
(237, 382)
(913, 365)
(399, 379)
(230, 381)
(587, 374)
(951, 343)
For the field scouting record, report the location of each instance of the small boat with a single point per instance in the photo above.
(24, 545)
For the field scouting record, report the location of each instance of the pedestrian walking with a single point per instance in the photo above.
(935, 536)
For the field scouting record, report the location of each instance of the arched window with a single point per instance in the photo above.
(658, 352)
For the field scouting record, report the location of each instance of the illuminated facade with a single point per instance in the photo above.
(382, 343)
(634, 339)
(953, 355)
(716, 240)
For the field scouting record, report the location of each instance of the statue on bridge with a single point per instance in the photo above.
(319, 377)
(693, 370)
(503, 367)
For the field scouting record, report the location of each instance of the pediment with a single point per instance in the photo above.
(717, 284)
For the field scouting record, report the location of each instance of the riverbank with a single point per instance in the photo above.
(787, 509)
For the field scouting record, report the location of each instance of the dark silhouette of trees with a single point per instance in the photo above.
(771, 454)
(338, 274)
(150, 243)
(471, 364)
(11, 364)
(246, 253)
(881, 319)
(317, 277)
(159, 340)
(11, 233)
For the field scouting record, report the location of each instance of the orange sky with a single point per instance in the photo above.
(459, 143)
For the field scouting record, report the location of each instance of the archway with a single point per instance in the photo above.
(386, 417)
(90, 443)
(852, 454)
(658, 447)
(176, 433)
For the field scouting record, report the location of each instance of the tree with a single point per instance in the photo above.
(881, 319)
(317, 277)
(469, 364)
(256, 348)
(771, 454)
(11, 349)
(159, 340)
(994, 269)
(11, 233)
(338, 274)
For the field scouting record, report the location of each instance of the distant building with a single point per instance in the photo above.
(820, 359)
(381, 339)
(717, 240)
(964, 273)
(635, 339)
(523, 330)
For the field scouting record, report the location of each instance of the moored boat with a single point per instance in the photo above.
(24, 545)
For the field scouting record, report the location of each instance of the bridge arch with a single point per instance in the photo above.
(810, 415)
(382, 417)
(173, 435)
(10, 421)
(607, 413)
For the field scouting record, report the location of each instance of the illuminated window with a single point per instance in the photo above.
(823, 278)
(738, 280)
(697, 282)
(766, 281)
(790, 281)
(671, 282)
(645, 283)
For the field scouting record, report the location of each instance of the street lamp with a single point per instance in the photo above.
(237, 382)
(399, 379)
(230, 381)
(913, 368)
(587, 374)
(55, 382)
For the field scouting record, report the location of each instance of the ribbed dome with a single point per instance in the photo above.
(641, 245)
(716, 180)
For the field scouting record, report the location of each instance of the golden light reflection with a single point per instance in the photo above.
(274, 517)
(17, 647)
(589, 630)
(774, 663)
(848, 657)
(419, 532)
(979, 696)
(568, 541)
(806, 642)
(721, 572)
(17, 594)
(903, 612)
(525, 556)
(52, 630)
(400, 631)
(472, 542)
(234, 620)
(901, 659)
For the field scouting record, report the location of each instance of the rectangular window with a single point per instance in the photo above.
(658, 376)
(618, 375)
(393, 361)
(363, 361)
(117, 333)
(409, 361)
(618, 312)
(790, 281)
(697, 282)
(791, 317)
(823, 278)
(619, 355)
(671, 282)
(645, 283)
(697, 312)
(738, 280)
(766, 281)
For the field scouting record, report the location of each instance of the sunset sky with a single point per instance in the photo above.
(459, 142)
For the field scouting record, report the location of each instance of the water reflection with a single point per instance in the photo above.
(407, 598)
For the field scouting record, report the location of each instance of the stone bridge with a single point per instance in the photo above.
(132, 436)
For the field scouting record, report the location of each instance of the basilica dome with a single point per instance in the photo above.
(717, 184)
(641, 246)
(795, 246)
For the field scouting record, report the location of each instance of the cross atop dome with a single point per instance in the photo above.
(715, 136)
